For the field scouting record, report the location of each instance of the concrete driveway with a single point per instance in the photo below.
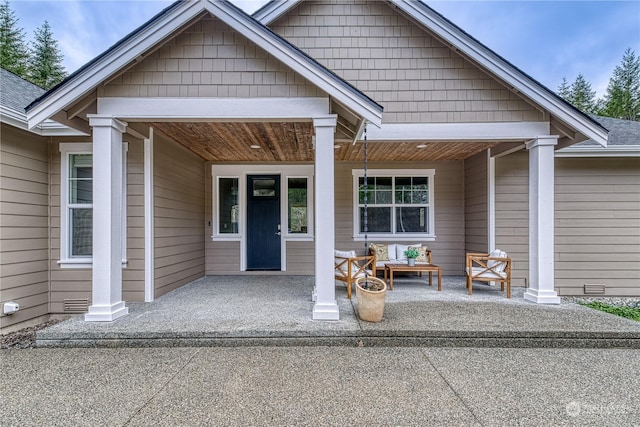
(319, 386)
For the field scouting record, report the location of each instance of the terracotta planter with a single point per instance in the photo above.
(370, 303)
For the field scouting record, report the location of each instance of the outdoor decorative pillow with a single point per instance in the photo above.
(381, 251)
(422, 253)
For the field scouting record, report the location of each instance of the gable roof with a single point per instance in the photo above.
(480, 54)
(17, 92)
(624, 141)
(164, 25)
(621, 132)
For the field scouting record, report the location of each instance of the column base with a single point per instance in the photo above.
(106, 313)
(542, 297)
(325, 311)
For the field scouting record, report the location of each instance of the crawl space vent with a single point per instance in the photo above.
(76, 305)
(594, 289)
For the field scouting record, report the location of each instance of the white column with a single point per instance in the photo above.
(107, 304)
(325, 307)
(541, 216)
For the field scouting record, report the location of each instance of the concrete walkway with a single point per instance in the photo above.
(276, 311)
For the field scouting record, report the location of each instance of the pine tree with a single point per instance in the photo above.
(13, 48)
(45, 64)
(582, 96)
(564, 90)
(622, 98)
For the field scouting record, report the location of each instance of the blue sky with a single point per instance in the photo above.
(548, 40)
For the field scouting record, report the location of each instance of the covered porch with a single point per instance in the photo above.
(275, 311)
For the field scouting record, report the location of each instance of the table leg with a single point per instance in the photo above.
(390, 279)
(440, 280)
(430, 278)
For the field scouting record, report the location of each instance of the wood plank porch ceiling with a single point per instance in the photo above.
(292, 142)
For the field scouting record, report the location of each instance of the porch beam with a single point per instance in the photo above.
(227, 109)
(512, 131)
(541, 216)
(107, 304)
(325, 307)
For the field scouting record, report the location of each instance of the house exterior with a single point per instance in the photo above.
(209, 142)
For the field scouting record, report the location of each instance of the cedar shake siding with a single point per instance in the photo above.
(476, 207)
(597, 225)
(24, 222)
(179, 227)
(410, 73)
(209, 59)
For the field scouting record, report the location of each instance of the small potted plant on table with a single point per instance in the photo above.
(412, 254)
(370, 294)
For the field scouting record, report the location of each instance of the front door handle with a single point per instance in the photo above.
(277, 233)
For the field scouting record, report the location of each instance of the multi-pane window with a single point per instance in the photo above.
(395, 204)
(80, 205)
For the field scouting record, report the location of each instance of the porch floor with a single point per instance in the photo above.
(276, 311)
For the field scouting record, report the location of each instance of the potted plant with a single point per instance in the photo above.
(370, 294)
(412, 254)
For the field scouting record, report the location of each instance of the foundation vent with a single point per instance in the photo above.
(76, 305)
(594, 289)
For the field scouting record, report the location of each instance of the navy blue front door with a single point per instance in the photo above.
(263, 222)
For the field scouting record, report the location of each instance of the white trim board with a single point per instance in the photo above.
(194, 109)
(509, 131)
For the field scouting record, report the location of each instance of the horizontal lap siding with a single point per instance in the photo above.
(476, 203)
(448, 248)
(133, 275)
(24, 235)
(512, 212)
(179, 187)
(209, 59)
(412, 74)
(300, 258)
(598, 225)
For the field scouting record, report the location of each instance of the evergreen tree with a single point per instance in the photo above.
(13, 48)
(582, 96)
(564, 90)
(45, 64)
(622, 98)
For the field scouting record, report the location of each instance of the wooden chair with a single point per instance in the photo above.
(491, 267)
(350, 267)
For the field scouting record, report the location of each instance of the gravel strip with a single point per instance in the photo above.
(24, 338)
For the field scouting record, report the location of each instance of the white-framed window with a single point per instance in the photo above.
(399, 205)
(229, 200)
(76, 205)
